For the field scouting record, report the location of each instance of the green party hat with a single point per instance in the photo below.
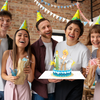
(98, 20)
(24, 25)
(5, 6)
(76, 16)
(39, 16)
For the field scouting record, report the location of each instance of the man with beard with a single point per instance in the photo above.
(5, 42)
(43, 50)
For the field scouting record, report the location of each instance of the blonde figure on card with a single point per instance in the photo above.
(63, 60)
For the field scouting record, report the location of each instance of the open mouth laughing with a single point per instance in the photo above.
(22, 41)
(71, 36)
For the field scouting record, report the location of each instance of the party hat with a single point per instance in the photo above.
(39, 16)
(24, 25)
(5, 6)
(98, 20)
(76, 16)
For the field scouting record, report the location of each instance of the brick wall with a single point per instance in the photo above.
(96, 7)
(27, 9)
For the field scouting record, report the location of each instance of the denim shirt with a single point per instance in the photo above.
(97, 74)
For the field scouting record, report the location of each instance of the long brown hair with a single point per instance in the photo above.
(27, 48)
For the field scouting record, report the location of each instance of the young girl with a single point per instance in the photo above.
(94, 39)
(21, 49)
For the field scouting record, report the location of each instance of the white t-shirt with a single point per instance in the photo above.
(48, 57)
(79, 53)
(3, 47)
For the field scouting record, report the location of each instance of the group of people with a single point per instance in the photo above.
(40, 53)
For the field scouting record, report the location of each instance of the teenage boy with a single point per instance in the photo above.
(5, 42)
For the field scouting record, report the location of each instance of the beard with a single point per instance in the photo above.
(45, 36)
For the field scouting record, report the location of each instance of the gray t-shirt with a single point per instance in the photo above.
(79, 53)
(3, 47)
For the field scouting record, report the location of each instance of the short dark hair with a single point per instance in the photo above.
(37, 23)
(77, 22)
(93, 29)
(5, 13)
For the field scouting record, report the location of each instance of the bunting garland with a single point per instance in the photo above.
(62, 18)
(59, 7)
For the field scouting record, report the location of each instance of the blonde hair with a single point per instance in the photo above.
(56, 51)
(65, 51)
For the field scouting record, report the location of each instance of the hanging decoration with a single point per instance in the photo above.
(62, 18)
(82, 13)
(55, 6)
(87, 21)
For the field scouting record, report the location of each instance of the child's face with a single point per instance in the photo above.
(95, 40)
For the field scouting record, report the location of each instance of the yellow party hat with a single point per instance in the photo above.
(5, 6)
(24, 25)
(76, 16)
(39, 16)
(98, 20)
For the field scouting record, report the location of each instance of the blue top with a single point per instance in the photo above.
(97, 74)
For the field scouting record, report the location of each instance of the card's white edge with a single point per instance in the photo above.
(41, 77)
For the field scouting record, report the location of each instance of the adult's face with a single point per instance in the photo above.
(95, 39)
(22, 39)
(5, 23)
(72, 33)
(45, 29)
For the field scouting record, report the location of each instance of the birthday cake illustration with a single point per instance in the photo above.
(62, 65)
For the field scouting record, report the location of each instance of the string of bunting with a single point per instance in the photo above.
(62, 18)
(55, 6)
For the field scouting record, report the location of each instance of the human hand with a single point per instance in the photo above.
(54, 80)
(98, 62)
(87, 70)
(12, 78)
(27, 70)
